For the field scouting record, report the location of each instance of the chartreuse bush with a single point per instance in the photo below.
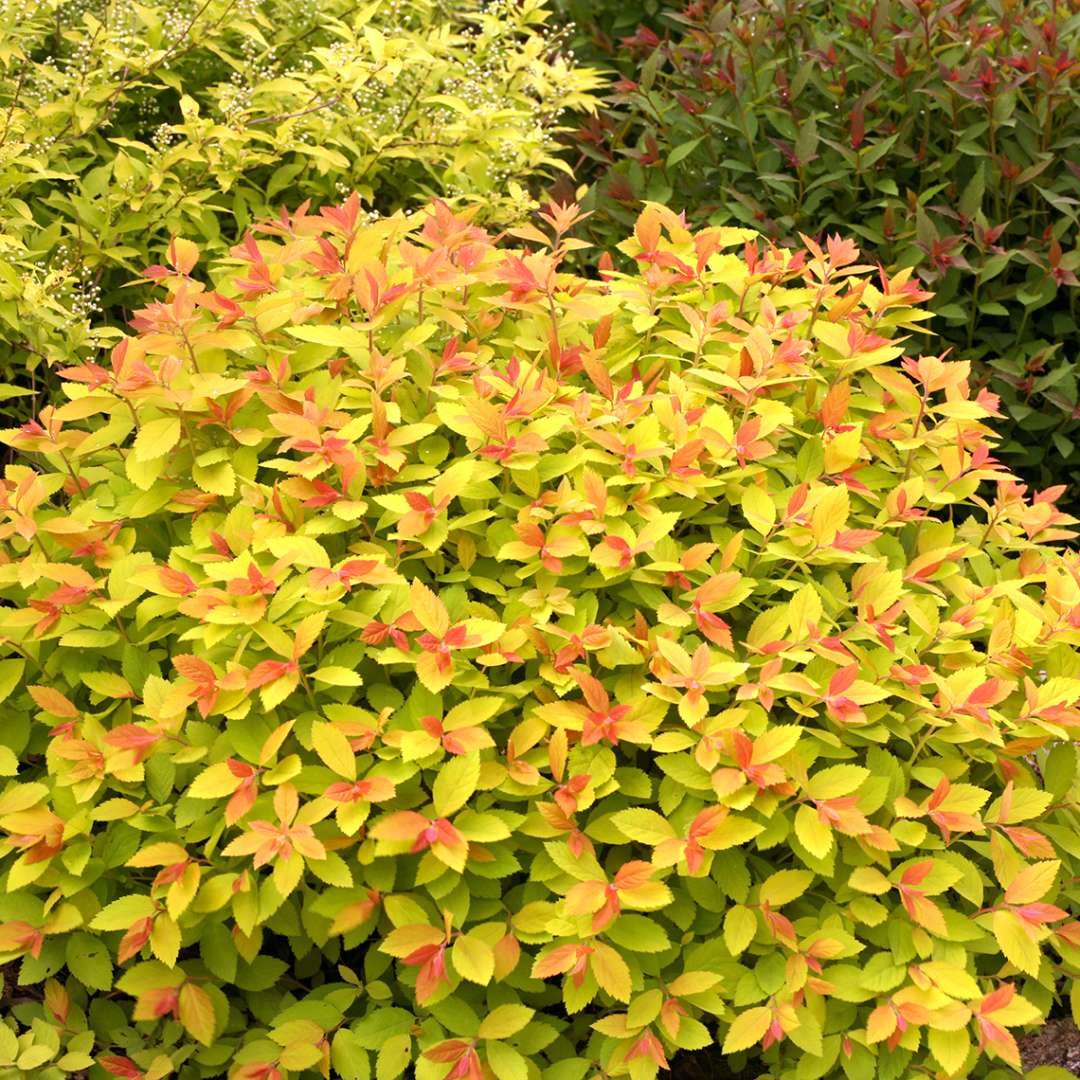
(942, 135)
(422, 657)
(121, 124)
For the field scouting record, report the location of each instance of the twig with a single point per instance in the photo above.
(281, 117)
(14, 103)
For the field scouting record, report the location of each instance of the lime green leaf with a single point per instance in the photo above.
(156, 438)
(473, 959)
(455, 783)
(504, 1021)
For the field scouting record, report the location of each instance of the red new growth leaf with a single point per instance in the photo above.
(602, 719)
(117, 1065)
(372, 789)
(134, 738)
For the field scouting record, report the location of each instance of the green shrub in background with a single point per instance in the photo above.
(945, 135)
(121, 124)
(594, 26)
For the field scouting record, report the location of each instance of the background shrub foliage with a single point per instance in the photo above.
(121, 124)
(427, 657)
(942, 134)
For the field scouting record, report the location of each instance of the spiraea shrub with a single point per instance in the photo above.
(423, 658)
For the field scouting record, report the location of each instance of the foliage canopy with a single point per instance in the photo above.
(428, 656)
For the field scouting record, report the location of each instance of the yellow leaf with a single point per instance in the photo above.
(431, 675)
(452, 482)
(830, 514)
(333, 747)
(472, 711)
(747, 1029)
(298, 551)
(693, 982)
(274, 693)
(122, 913)
(740, 926)
(804, 611)
(455, 783)
(731, 832)
(183, 255)
(335, 675)
(868, 879)
(197, 1013)
(217, 479)
(950, 979)
(771, 625)
(950, 1049)
(1018, 947)
(162, 854)
(299, 1056)
(107, 684)
(651, 896)
(758, 509)
(504, 1021)
(165, 940)
(214, 783)
(1017, 1012)
(562, 714)
(775, 743)
(813, 833)
(643, 825)
(644, 1009)
(842, 451)
(473, 959)
(784, 886)
(429, 609)
(836, 781)
(950, 1017)
(1032, 883)
(376, 42)
(156, 439)
(407, 939)
(287, 873)
(307, 630)
(610, 971)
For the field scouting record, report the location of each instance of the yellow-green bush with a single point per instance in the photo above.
(428, 661)
(123, 124)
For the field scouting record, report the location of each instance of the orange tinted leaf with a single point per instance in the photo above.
(197, 1013)
(610, 971)
(747, 1029)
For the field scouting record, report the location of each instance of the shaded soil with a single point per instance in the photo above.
(1057, 1042)
(9, 973)
(708, 1064)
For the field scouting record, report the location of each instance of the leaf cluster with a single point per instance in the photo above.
(121, 125)
(942, 135)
